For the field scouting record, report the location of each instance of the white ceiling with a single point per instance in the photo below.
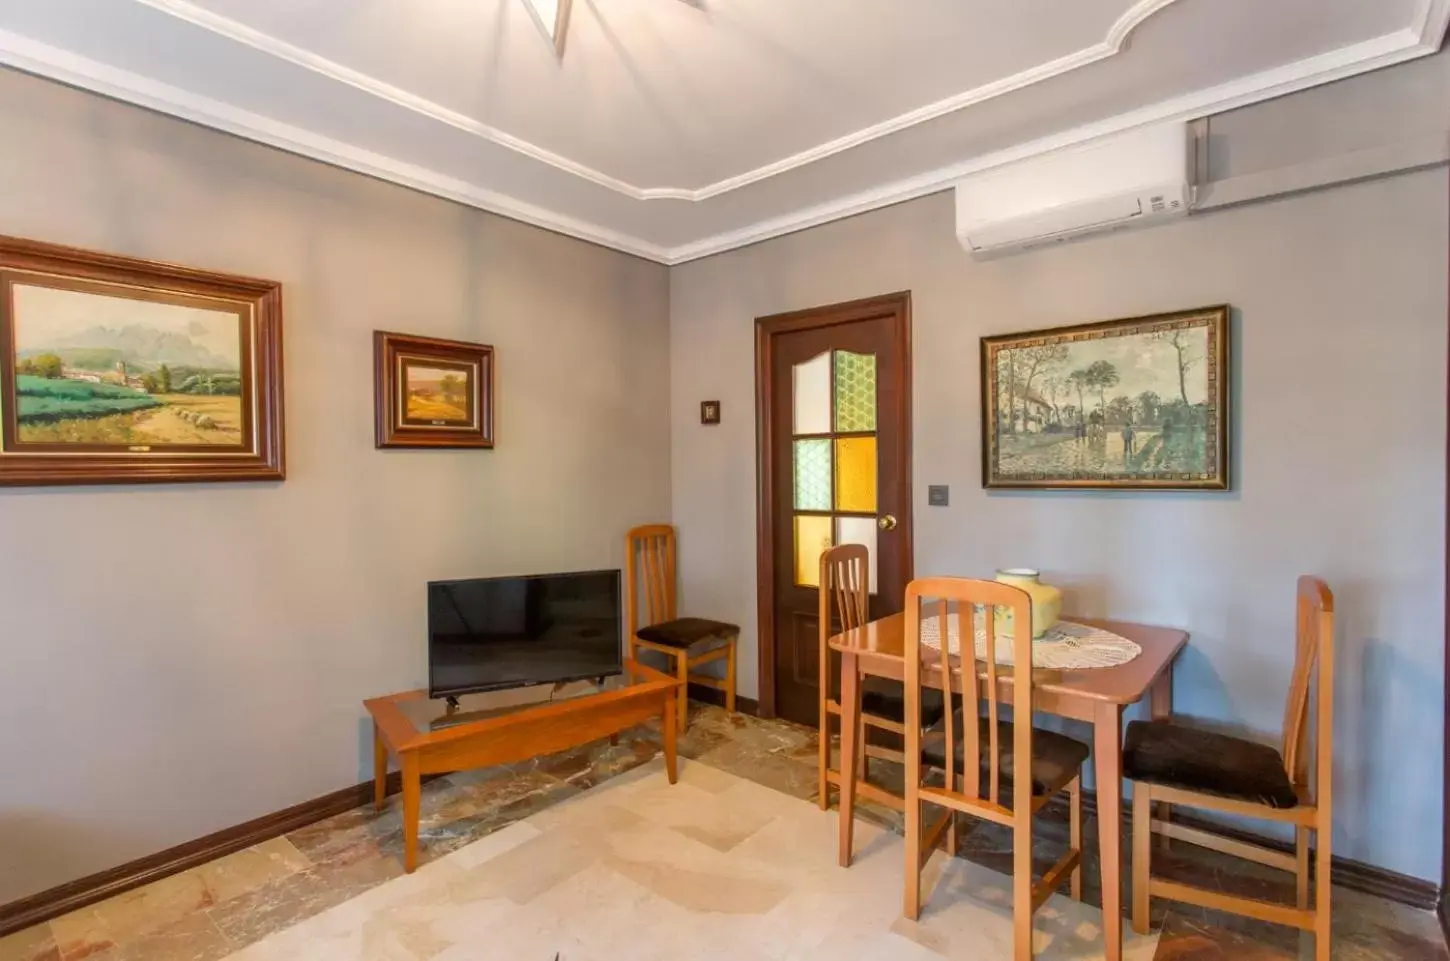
(678, 128)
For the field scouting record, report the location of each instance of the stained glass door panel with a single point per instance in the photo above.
(833, 455)
(837, 427)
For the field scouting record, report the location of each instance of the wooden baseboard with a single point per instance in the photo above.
(72, 895)
(1347, 873)
(81, 892)
(709, 695)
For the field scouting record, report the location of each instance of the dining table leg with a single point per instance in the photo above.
(1108, 768)
(850, 734)
(1160, 708)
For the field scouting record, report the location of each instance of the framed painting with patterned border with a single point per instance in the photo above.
(122, 371)
(1135, 404)
(431, 392)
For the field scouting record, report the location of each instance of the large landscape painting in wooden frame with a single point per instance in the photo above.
(1135, 404)
(119, 371)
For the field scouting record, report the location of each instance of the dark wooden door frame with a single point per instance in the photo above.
(896, 306)
(1444, 907)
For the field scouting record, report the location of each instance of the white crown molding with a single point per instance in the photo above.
(1420, 40)
(1115, 42)
(1431, 22)
(1423, 37)
(332, 70)
(32, 56)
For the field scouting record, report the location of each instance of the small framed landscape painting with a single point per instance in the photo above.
(1136, 404)
(121, 371)
(432, 393)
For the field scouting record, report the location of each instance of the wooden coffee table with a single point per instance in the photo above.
(406, 727)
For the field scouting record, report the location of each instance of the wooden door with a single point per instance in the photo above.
(834, 468)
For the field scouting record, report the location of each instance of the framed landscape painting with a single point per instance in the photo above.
(431, 392)
(1136, 404)
(119, 371)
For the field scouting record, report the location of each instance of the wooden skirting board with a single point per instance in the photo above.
(81, 892)
(709, 695)
(38, 908)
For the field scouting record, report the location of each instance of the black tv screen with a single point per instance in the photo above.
(493, 633)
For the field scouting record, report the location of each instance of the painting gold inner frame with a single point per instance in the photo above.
(472, 376)
(11, 440)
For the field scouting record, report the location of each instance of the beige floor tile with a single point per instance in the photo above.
(128, 916)
(194, 939)
(244, 871)
(32, 944)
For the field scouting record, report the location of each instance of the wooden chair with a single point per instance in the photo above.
(1168, 763)
(687, 642)
(977, 754)
(845, 588)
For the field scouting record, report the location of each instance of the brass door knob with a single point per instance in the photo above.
(887, 522)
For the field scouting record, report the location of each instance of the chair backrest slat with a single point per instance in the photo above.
(957, 596)
(649, 570)
(944, 666)
(1313, 655)
(843, 597)
(994, 747)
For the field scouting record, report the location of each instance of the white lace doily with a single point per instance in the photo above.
(1067, 646)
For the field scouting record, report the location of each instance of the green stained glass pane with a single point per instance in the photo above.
(813, 475)
(855, 391)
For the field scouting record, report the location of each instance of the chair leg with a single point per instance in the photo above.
(1142, 853)
(850, 710)
(1074, 828)
(730, 678)
(1022, 886)
(1301, 865)
(1322, 861)
(911, 904)
(682, 669)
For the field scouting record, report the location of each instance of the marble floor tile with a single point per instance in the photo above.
(32, 944)
(196, 938)
(236, 874)
(129, 916)
(739, 800)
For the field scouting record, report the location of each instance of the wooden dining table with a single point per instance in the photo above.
(1096, 695)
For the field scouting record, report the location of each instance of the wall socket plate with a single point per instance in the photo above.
(938, 495)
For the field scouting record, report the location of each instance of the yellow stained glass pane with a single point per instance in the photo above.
(812, 537)
(856, 474)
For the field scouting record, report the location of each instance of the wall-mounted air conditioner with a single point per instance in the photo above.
(1122, 181)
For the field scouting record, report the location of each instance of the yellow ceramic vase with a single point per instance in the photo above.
(1046, 601)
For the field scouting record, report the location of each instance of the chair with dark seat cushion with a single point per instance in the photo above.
(845, 576)
(1056, 758)
(684, 642)
(1161, 752)
(694, 634)
(884, 698)
(977, 755)
(1168, 763)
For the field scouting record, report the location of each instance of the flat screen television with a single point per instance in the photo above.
(493, 633)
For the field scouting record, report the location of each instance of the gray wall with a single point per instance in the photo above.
(176, 660)
(1340, 331)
